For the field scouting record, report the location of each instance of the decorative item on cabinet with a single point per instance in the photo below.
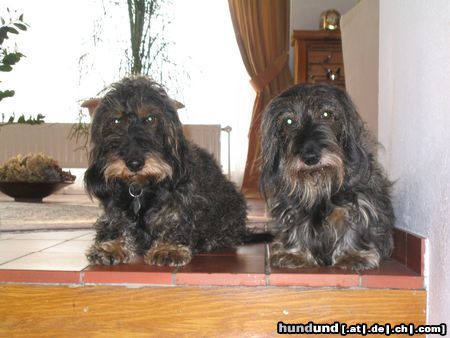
(318, 57)
(329, 20)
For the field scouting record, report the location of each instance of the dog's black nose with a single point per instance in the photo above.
(311, 158)
(135, 165)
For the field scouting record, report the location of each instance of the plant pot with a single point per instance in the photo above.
(31, 191)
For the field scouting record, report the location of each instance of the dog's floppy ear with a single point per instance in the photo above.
(178, 148)
(95, 183)
(177, 104)
(270, 150)
(354, 139)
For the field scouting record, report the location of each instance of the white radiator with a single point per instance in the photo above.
(206, 136)
(53, 140)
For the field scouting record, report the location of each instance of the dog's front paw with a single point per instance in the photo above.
(168, 254)
(357, 261)
(108, 253)
(292, 260)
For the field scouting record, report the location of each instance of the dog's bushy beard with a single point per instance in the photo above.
(307, 184)
(299, 193)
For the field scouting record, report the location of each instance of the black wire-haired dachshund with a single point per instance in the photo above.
(163, 197)
(328, 196)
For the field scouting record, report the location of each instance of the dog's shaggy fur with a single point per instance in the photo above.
(163, 197)
(329, 197)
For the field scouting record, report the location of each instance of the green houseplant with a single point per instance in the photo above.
(9, 58)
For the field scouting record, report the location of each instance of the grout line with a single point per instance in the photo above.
(15, 258)
(32, 252)
(174, 277)
(35, 252)
(82, 276)
(75, 238)
(267, 259)
(60, 243)
(267, 264)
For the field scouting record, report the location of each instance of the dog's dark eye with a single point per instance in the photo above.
(326, 115)
(289, 121)
(116, 120)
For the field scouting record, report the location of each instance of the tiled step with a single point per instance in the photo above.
(58, 257)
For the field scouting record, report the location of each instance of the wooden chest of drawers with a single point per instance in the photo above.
(318, 57)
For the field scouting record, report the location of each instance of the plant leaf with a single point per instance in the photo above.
(21, 26)
(3, 34)
(12, 58)
(12, 30)
(6, 93)
(5, 68)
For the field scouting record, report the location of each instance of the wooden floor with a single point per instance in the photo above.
(114, 311)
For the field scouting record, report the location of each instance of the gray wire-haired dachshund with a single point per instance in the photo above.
(163, 197)
(328, 196)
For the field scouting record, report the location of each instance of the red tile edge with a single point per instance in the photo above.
(314, 280)
(415, 253)
(409, 249)
(120, 277)
(200, 278)
(399, 252)
(39, 276)
(392, 282)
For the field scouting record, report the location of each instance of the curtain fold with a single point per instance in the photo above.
(262, 34)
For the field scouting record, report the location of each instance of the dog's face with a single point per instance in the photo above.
(136, 134)
(310, 139)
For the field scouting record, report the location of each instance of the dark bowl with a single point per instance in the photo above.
(31, 191)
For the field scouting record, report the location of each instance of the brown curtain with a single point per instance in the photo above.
(262, 33)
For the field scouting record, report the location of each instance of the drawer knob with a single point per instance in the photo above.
(327, 58)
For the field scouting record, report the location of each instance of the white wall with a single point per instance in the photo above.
(414, 127)
(305, 14)
(360, 37)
